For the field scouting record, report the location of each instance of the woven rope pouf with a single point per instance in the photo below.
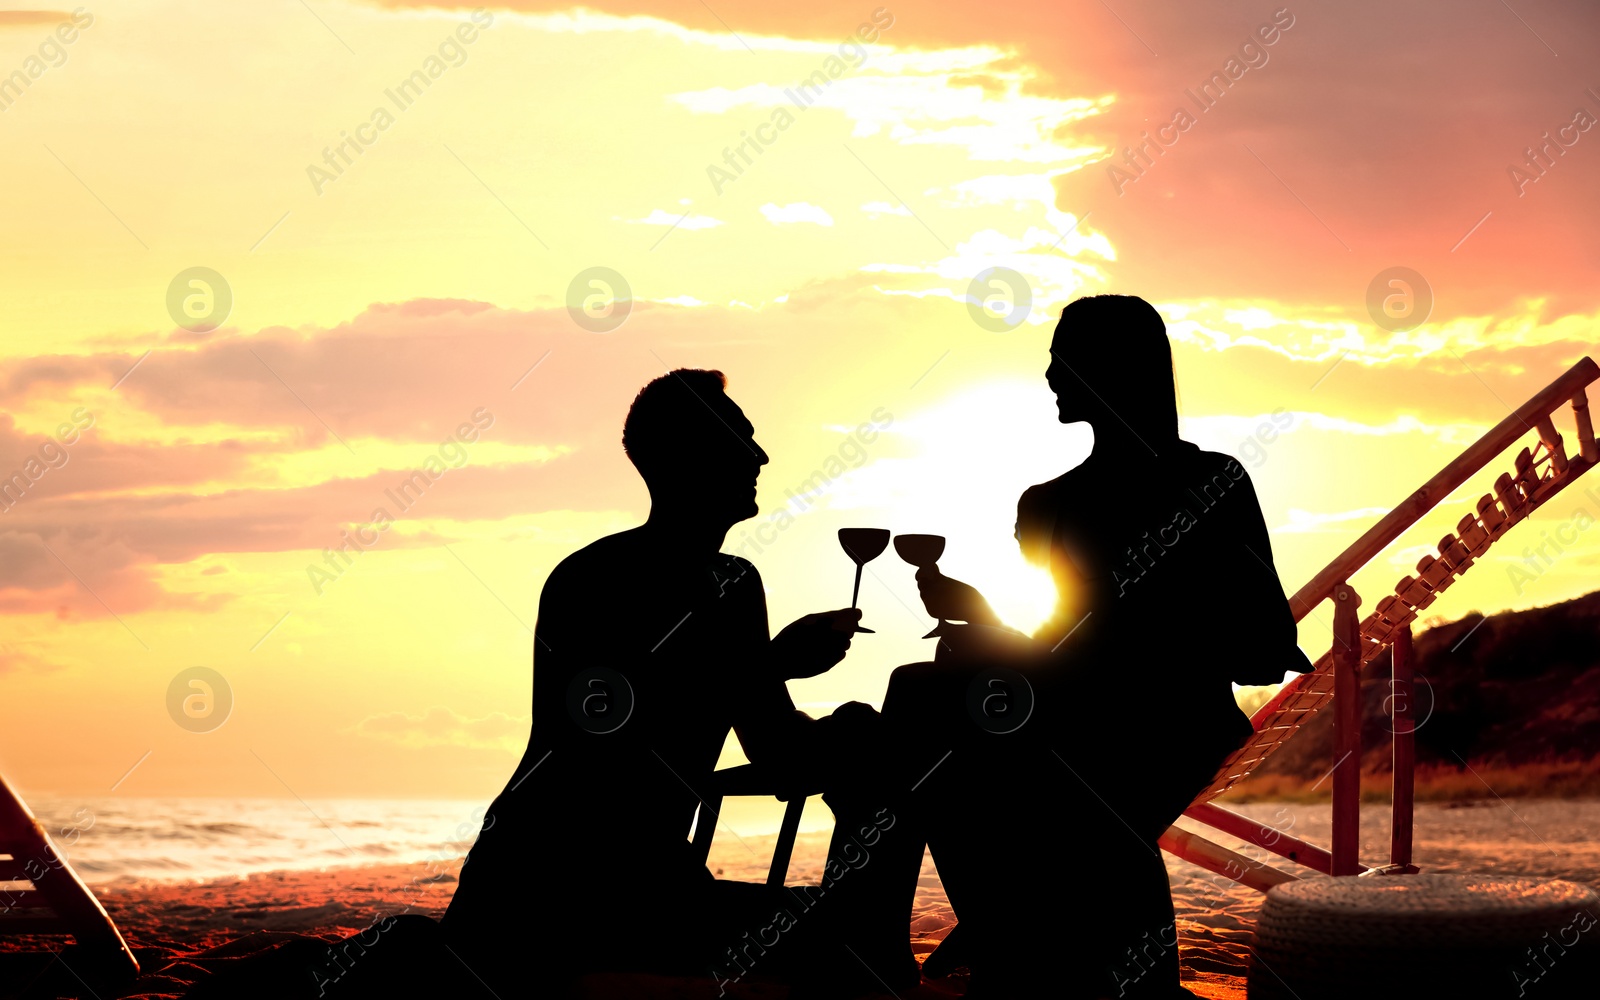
(1424, 936)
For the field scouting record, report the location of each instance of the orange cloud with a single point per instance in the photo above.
(1334, 153)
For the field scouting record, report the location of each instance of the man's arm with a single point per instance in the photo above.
(771, 730)
(557, 656)
(768, 725)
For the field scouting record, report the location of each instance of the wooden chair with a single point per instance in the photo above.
(748, 779)
(43, 895)
(1540, 471)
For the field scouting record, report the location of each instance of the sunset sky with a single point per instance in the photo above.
(400, 264)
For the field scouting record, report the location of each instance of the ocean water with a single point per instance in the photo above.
(170, 839)
(175, 839)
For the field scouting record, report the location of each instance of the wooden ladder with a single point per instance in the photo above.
(1538, 473)
(55, 900)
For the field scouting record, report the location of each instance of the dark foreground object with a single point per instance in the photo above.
(409, 960)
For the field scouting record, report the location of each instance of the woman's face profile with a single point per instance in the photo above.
(1111, 368)
(1074, 401)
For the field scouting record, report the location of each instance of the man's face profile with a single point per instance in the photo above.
(718, 461)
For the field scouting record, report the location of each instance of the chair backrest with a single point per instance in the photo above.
(1539, 473)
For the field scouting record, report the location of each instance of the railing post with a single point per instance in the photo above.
(1346, 731)
(1551, 439)
(1580, 416)
(1403, 714)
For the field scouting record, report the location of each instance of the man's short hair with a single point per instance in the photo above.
(666, 412)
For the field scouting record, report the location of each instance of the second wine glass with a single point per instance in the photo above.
(923, 552)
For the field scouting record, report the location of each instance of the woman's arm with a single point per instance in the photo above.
(1250, 580)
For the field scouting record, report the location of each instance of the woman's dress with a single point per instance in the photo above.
(1167, 597)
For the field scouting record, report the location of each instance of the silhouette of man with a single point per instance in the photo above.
(650, 645)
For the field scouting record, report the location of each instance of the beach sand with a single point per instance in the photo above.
(184, 932)
(189, 931)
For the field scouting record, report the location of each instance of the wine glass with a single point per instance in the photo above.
(923, 552)
(862, 545)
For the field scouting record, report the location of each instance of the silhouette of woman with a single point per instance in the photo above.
(1060, 776)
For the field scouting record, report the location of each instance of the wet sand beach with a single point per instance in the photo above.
(185, 931)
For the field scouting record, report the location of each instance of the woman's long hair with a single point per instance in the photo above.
(1118, 345)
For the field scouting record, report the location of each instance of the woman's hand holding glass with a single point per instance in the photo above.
(952, 600)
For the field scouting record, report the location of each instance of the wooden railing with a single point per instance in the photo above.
(1539, 473)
